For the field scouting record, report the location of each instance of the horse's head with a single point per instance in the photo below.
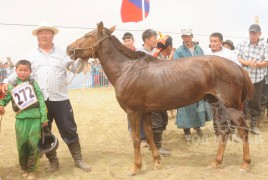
(86, 46)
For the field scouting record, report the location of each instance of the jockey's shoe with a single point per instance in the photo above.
(163, 152)
(254, 130)
(188, 137)
(53, 166)
(31, 176)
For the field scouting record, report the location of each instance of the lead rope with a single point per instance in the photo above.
(75, 73)
(83, 84)
(70, 67)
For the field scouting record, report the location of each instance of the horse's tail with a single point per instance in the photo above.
(247, 92)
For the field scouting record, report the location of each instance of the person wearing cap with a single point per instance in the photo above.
(216, 48)
(228, 44)
(253, 55)
(128, 41)
(49, 65)
(194, 115)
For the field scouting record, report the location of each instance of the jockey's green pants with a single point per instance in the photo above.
(28, 133)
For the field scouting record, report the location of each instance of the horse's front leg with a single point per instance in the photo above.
(134, 119)
(147, 127)
(221, 148)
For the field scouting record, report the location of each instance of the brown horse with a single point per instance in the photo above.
(144, 84)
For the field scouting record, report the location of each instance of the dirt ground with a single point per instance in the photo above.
(106, 146)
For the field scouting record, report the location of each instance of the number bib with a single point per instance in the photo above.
(24, 95)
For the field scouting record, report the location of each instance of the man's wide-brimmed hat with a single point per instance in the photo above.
(45, 25)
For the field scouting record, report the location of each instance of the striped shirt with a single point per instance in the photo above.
(49, 70)
(249, 52)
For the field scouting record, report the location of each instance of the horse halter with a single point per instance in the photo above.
(93, 56)
(91, 47)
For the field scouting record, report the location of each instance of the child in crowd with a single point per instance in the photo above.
(31, 114)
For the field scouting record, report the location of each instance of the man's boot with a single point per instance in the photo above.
(54, 161)
(253, 125)
(157, 136)
(262, 114)
(75, 150)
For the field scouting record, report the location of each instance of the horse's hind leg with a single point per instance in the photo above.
(243, 132)
(147, 127)
(134, 119)
(219, 114)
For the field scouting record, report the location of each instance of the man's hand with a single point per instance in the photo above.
(44, 124)
(2, 110)
(250, 63)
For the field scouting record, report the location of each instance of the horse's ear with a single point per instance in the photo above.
(112, 29)
(100, 26)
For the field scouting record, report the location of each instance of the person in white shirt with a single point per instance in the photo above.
(49, 65)
(216, 48)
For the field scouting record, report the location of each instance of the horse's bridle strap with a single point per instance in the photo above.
(94, 45)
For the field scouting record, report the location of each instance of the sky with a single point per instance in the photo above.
(74, 18)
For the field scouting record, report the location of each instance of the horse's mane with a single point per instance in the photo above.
(130, 53)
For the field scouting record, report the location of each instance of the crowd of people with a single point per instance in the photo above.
(51, 103)
(252, 54)
(6, 68)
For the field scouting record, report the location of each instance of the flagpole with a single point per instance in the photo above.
(143, 10)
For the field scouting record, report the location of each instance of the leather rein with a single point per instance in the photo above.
(90, 47)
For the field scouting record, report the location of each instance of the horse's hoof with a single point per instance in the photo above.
(244, 168)
(214, 165)
(157, 166)
(134, 171)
